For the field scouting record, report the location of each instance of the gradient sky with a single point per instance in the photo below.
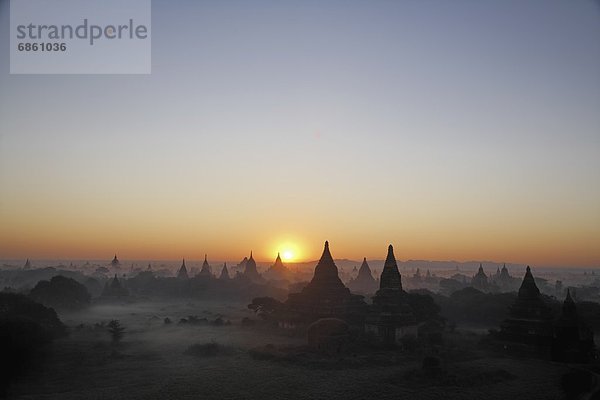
(452, 129)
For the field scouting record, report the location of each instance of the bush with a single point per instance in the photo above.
(61, 293)
(26, 328)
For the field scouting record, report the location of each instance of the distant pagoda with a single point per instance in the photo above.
(390, 317)
(206, 269)
(115, 262)
(113, 288)
(504, 281)
(27, 264)
(530, 319)
(277, 271)
(325, 296)
(182, 273)
(224, 273)
(480, 280)
(250, 271)
(364, 281)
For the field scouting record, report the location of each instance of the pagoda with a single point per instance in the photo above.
(480, 280)
(114, 288)
(115, 262)
(504, 281)
(364, 281)
(391, 317)
(530, 319)
(206, 269)
(278, 271)
(27, 264)
(325, 296)
(573, 339)
(224, 273)
(250, 272)
(182, 273)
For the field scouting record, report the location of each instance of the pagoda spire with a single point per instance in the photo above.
(224, 272)
(182, 273)
(390, 276)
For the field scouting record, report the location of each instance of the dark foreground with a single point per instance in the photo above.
(152, 363)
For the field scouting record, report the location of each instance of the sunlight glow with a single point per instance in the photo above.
(287, 255)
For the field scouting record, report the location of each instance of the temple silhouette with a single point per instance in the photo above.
(325, 296)
(278, 271)
(364, 282)
(390, 317)
(115, 262)
(250, 271)
(182, 273)
(480, 280)
(206, 270)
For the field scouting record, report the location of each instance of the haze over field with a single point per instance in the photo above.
(454, 130)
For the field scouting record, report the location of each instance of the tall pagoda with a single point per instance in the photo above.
(325, 296)
(530, 319)
(115, 262)
(182, 273)
(391, 317)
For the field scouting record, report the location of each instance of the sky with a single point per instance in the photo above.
(462, 130)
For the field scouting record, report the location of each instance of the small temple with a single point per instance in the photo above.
(206, 270)
(325, 296)
(250, 271)
(113, 288)
(278, 271)
(115, 262)
(224, 273)
(480, 280)
(364, 281)
(27, 264)
(182, 273)
(504, 281)
(391, 317)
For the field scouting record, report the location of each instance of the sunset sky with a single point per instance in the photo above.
(455, 130)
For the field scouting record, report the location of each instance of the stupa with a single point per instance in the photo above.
(325, 296)
(224, 273)
(480, 280)
(115, 262)
(573, 338)
(391, 317)
(206, 269)
(250, 271)
(114, 288)
(530, 319)
(277, 271)
(364, 281)
(182, 273)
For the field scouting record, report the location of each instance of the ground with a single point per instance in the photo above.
(151, 363)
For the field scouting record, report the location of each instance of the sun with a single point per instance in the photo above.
(287, 255)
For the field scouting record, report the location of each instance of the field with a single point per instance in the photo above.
(152, 362)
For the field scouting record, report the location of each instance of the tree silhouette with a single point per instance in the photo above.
(116, 331)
